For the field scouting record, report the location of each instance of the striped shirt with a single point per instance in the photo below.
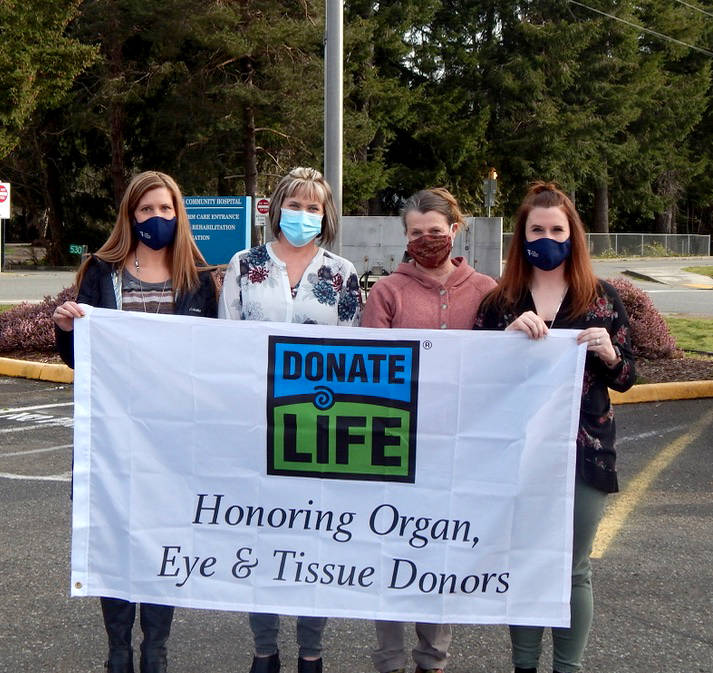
(145, 297)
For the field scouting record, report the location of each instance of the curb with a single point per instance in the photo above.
(662, 392)
(42, 371)
(645, 392)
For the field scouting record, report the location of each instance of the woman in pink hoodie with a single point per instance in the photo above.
(432, 291)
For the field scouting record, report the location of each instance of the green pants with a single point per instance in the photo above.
(568, 644)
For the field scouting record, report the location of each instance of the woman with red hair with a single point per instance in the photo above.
(549, 283)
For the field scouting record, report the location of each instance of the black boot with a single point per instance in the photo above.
(156, 626)
(304, 666)
(120, 661)
(269, 664)
(118, 621)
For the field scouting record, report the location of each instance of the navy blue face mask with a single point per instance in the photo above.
(545, 253)
(156, 232)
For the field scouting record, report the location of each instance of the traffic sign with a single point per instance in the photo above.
(262, 208)
(4, 200)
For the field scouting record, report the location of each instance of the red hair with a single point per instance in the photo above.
(578, 271)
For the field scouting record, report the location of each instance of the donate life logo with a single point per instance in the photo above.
(342, 408)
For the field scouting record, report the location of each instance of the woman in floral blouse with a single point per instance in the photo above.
(549, 283)
(292, 279)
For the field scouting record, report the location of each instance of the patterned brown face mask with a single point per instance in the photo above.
(430, 250)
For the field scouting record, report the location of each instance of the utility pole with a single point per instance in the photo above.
(333, 104)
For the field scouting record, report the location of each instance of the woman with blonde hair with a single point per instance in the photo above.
(293, 279)
(150, 263)
(549, 283)
(432, 291)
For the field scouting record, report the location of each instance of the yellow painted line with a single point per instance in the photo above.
(625, 503)
(699, 286)
(659, 392)
(36, 370)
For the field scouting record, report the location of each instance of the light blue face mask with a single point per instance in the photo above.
(299, 226)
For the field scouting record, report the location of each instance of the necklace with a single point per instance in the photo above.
(557, 310)
(141, 287)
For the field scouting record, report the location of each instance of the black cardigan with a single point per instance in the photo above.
(596, 456)
(97, 289)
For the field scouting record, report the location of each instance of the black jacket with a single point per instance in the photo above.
(97, 289)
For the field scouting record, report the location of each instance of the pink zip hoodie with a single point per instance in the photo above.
(410, 298)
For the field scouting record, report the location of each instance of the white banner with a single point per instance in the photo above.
(419, 475)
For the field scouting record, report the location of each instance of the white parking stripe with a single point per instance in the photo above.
(673, 291)
(650, 433)
(64, 476)
(27, 453)
(60, 422)
(39, 406)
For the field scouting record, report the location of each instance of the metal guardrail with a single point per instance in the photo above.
(641, 245)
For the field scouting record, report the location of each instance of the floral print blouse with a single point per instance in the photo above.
(256, 287)
(596, 456)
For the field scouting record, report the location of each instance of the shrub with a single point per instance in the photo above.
(29, 327)
(658, 249)
(609, 253)
(650, 335)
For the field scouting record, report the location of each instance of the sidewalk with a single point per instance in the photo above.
(675, 277)
(32, 286)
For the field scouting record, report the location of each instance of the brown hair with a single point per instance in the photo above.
(312, 183)
(437, 199)
(578, 270)
(183, 253)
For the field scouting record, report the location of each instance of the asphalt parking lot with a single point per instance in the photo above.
(653, 579)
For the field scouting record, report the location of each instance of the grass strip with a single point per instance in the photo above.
(700, 270)
(694, 334)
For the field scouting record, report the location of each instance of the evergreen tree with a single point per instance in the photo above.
(38, 62)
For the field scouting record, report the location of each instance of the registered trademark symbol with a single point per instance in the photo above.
(427, 344)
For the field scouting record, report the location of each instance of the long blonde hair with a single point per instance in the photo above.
(183, 253)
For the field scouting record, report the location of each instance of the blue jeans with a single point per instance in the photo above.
(266, 627)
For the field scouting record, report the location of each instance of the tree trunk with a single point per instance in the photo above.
(600, 223)
(116, 113)
(116, 121)
(665, 222)
(250, 163)
(57, 251)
